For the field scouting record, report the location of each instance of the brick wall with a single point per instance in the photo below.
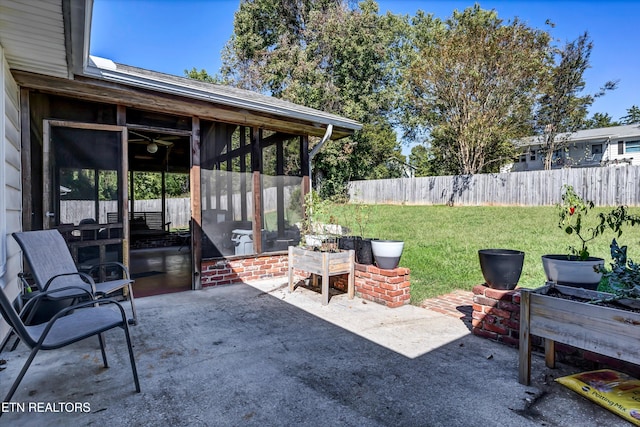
(387, 287)
(229, 270)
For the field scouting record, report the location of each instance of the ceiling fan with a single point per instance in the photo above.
(151, 143)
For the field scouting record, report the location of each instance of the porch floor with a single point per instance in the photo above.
(257, 355)
(160, 270)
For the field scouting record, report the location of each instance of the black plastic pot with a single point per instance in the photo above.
(347, 243)
(501, 268)
(364, 253)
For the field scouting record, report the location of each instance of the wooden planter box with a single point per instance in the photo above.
(608, 331)
(323, 264)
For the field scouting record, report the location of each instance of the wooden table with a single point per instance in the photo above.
(325, 265)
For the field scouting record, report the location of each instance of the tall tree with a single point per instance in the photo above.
(472, 82)
(633, 116)
(331, 55)
(561, 110)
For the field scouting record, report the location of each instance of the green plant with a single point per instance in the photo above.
(361, 217)
(574, 219)
(623, 280)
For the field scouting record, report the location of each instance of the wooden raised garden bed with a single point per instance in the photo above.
(323, 264)
(610, 331)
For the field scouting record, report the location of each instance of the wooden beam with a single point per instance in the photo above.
(196, 208)
(103, 91)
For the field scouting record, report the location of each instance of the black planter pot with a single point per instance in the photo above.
(347, 243)
(501, 268)
(364, 253)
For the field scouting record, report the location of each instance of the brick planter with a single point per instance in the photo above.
(387, 287)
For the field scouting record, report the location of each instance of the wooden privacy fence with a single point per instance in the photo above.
(605, 186)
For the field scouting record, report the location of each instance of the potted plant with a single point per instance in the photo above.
(579, 268)
(501, 268)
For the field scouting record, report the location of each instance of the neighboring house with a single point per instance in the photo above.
(611, 146)
(64, 114)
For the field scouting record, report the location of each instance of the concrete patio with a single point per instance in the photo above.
(258, 355)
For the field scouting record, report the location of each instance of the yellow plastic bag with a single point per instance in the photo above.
(615, 391)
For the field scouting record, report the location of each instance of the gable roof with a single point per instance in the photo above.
(603, 134)
(108, 70)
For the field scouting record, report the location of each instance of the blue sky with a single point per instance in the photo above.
(171, 36)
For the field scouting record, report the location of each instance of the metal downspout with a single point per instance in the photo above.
(317, 148)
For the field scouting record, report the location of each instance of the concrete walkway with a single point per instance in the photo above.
(258, 355)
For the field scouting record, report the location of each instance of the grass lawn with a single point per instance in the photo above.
(442, 243)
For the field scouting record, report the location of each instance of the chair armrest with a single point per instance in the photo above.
(166, 225)
(82, 275)
(124, 268)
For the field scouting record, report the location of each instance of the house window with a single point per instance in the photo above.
(632, 146)
(620, 148)
(523, 158)
(532, 155)
(596, 149)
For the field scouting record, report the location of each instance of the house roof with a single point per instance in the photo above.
(108, 70)
(603, 134)
(51, 38)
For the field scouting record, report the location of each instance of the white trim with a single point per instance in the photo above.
(3, 167)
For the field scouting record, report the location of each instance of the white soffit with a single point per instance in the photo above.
(33, 37)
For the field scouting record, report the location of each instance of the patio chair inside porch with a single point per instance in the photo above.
(52, 267)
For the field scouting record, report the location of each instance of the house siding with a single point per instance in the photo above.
(10, 184)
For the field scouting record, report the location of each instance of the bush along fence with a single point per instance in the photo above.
(496, 316)
(606, 186)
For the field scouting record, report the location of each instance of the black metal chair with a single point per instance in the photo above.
(52, 267)
(68, 326)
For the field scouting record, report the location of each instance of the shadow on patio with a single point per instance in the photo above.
(257, 355)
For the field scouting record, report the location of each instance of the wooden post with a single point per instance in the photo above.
(325, 279)
(352, 274)
(196, 208)
(524, 352)
(550, 353)
(290, 262)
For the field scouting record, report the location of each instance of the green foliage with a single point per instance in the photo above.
(148, 185)
(330, 56)
(472, 81)
(574, 219)
(623, 279)
(633, 116)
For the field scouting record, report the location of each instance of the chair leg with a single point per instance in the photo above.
(16, 383)
(125, 326)
(104, 353)
(133, 321)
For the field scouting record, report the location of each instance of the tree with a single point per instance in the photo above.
(472, 82)
(329, 55)
(633, 116)
(561, 111)
(599, 120)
